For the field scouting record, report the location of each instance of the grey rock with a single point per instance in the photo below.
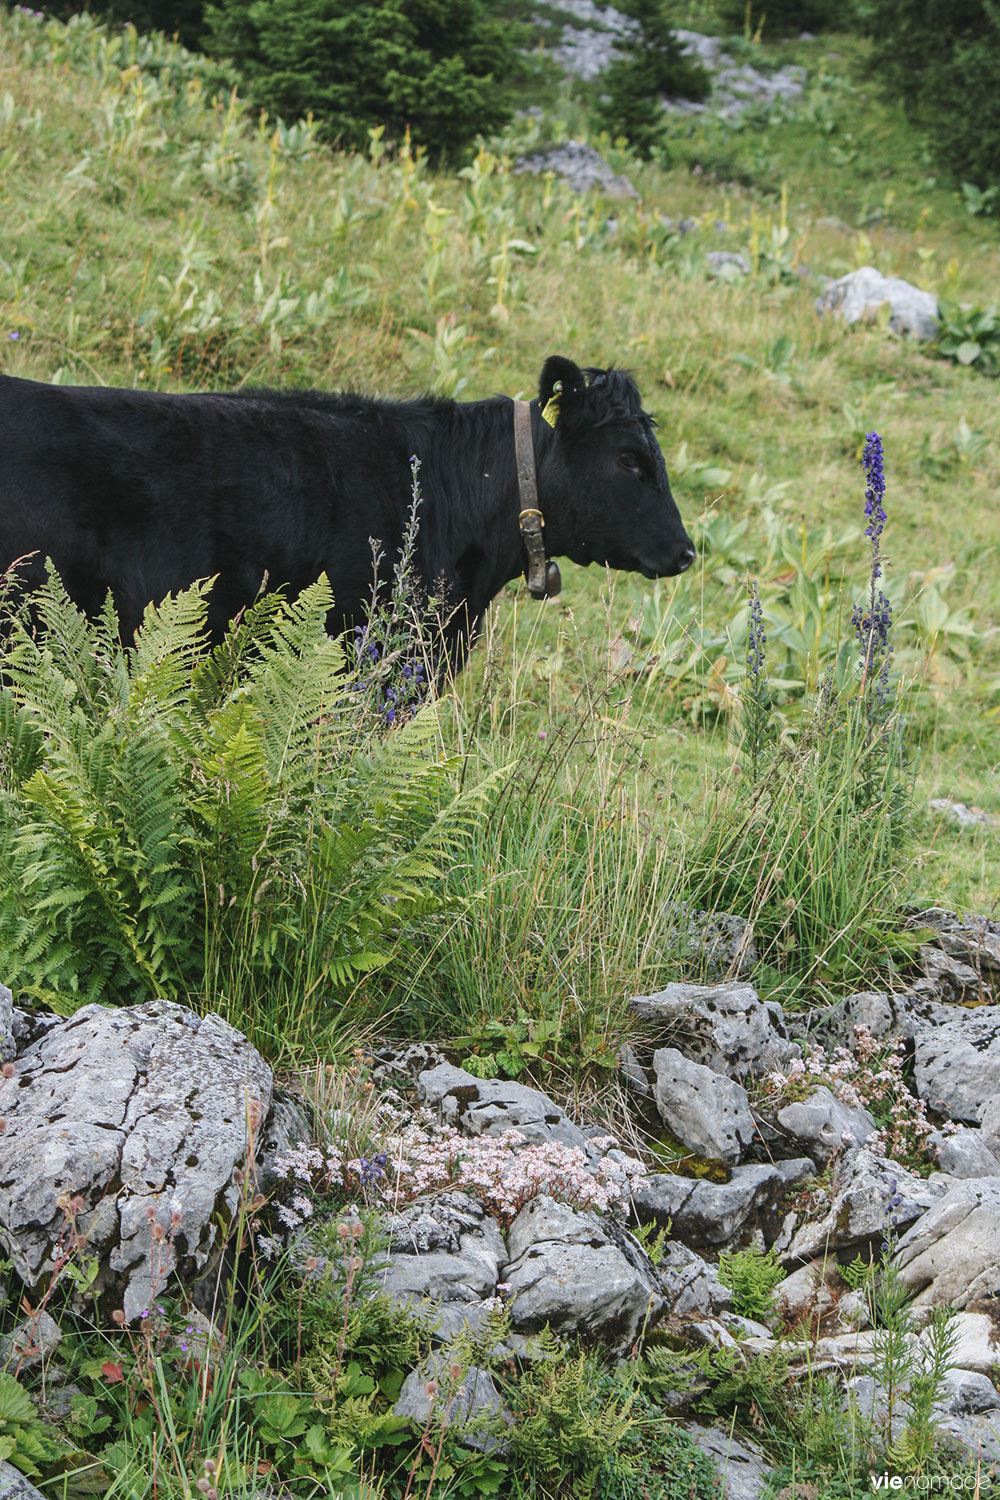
(990, 1126)
(401, 1063)
(443, 1221)
(443, 1259)
(956, 1064)
(587, 50)
(30, 1025)
(581, 167)
(728, 263)
(580, 1275)
(952, 979)
(742, 1466)
(975, 940)
(142, 1113)
(30, 1343)
(633, 1073)
(821, 1124)
(967, 1392)
(14, 1486)
(869, 1195)
(963, 1154)
(720, 944)
(489, 1106)
(859, 295)
(8, 1041)
(288, 1125)
(964, 816)
(979, 1434)
(469, 1406)
(703, 1213)
(438, 1276)
(725, 1027)
(707, 1112)
(950, 1254)
(883, 1014)
(689, 1284)
(977, 1343)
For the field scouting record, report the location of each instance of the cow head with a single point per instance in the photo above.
(601, 477)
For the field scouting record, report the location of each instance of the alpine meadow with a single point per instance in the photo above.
(360, 1014)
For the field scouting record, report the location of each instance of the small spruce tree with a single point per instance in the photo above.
(654, 67)
(435, 66)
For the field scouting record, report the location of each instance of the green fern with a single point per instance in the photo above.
(211, 823)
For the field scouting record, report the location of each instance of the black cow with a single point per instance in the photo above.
(141, 493)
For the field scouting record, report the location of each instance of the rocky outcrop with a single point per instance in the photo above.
(127, 1127)
(869, 1197)
(580, 166)
(956, 1064)
(820, 1125)
(444, 1256)
(479, 1106)
(950, 1254)
(704, 1213)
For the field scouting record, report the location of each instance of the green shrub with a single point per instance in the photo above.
(784, 18)
(231, 824)
(654, 67)
(436, 69)
(942, 63)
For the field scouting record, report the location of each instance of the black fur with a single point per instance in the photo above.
(143, 493)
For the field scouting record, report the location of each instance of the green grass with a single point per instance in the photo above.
(157, 236)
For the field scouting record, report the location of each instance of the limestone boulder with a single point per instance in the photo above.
(581, 1274)
(133, 1124)
(950, 1254)
(963, 1153)
(443, 1259)
(489, 1106)
(702, 1213)
(956, 1064)
(821, 1125)
(725, 1027)
(869, 1198)
(464, 1400)
(858, 296)
(707, 1112)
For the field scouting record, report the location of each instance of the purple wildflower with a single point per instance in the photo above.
(872, 626)
(756, 639)
(15, 334)
(871, 461)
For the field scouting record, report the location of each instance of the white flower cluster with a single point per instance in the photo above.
(869, 1077)
(503, 1172)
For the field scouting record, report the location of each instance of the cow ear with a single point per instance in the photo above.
(568, 377)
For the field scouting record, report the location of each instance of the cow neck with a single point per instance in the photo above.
(542, 573)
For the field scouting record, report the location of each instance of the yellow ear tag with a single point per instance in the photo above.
(550, 411)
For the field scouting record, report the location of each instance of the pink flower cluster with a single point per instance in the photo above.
(869, 1077)
(503, 1172)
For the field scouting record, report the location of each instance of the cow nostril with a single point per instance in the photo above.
(687, 558)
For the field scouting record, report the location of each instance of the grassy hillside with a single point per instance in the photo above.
(515, 874)
(156, 236)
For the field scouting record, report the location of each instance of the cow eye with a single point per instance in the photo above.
(629, 461)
